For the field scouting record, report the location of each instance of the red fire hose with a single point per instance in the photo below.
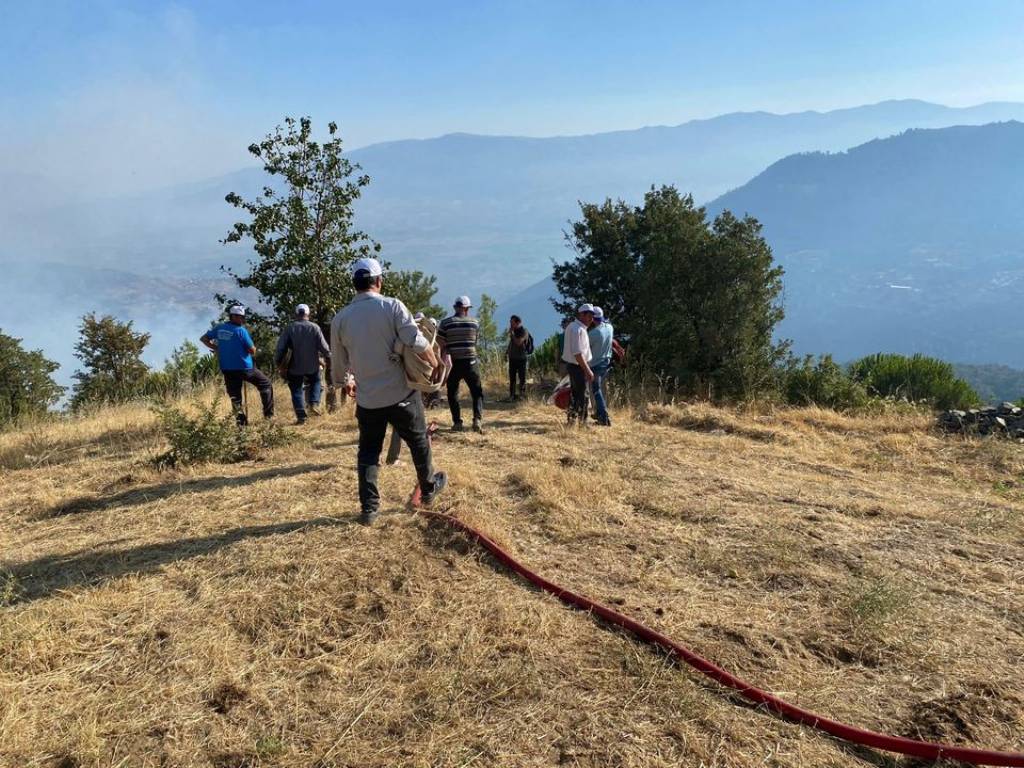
(912, 747)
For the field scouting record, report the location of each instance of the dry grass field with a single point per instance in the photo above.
(234, 616)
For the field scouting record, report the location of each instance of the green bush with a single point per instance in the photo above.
(546, 356)
(917, 379)
(212, 436)
(822, 382)
(186, 369)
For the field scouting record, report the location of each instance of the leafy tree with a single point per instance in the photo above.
(490, 338)
(700, 300)
(416, 290)
(111, 355)
(301, 224)
(27, 387)
(918, 378)
(301, 228)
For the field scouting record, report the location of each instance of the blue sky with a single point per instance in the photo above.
(182, 88)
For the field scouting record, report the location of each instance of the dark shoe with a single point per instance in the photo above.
(315, 411)
(440, 483)
(367, 518)
(477, 427)
(457, 427)
(300, 420)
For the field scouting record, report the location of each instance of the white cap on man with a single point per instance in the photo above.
(463, 301)
(302, 310)
(371, 266)
(598, 313)
(584, 308)
(238, 310)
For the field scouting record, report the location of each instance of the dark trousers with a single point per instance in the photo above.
(305, 388)
(578, 404)
(233, 382)
(408, 420)
(516, 370)
(468, 371)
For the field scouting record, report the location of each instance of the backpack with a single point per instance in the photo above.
(418, 372)
(528, 346)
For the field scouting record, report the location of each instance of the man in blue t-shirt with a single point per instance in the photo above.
(235, 348)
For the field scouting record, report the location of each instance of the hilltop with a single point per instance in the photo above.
(865, 567)
(907, 244)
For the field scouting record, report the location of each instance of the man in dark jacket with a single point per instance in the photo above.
(517, 353)
(300, 349)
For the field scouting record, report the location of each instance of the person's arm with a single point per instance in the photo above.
(208, 342)
(325, 351)
(249, 344)
(339, 356)
(581, 360)
(409, 334)
(282, 345)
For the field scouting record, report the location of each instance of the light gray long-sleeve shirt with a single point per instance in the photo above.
(363, 336)
(308, 345)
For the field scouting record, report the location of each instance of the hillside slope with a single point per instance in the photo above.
(913, 243)
(234, 616)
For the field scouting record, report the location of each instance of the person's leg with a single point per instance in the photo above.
(408, 420)
(298, 400)
(233, 384)
(394, 447)
(597, 390)
(511, 379)
(373, 423)
(454, 378)
(578, 404)
(476, 389)
(315, 391)
(521, 370)
(265, 387)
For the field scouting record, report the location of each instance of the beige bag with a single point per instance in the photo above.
(418, 372)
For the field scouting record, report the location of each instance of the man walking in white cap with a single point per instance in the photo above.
(458, 336)
(576, 356)
(235, 348)
(363, 337)
(306, 344)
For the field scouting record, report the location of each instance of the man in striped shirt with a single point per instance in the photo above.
(458, 336)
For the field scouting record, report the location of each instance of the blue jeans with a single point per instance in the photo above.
(601, 371)
(305, 388)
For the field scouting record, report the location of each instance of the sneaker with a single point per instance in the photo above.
(440, 483)
(367, 518)
(478, 427)
(457, 427)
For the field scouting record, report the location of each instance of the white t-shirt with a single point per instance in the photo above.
(577, 342)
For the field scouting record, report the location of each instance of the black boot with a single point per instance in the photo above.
(369, 496)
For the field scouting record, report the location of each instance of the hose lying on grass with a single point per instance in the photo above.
(913, 747)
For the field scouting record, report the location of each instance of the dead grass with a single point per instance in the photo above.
(234, 616)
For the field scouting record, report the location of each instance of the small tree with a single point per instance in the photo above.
(490, 337)
(111, 355)
(27, 387)
(301, 228)
(700, 301)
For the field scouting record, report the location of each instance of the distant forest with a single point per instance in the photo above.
(995, 383)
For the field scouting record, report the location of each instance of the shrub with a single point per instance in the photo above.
(27, 387)
(186, 369)
(823, 383)
(212, 436)
(917, 379)
(546, 356)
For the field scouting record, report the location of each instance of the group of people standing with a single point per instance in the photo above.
(587, 348)
(361, 360)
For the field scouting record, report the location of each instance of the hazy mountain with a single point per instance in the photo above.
(911, 243)
(484, 213)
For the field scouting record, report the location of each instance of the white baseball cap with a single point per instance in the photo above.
(238, 309)
(463, 301)
(598, 313)
(367, 265)
(586, 308)
(302, 309)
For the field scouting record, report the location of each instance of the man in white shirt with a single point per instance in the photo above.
(576, 356)
(363, 336)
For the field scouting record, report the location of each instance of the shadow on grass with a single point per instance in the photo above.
(45, 576)
(135, 496)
